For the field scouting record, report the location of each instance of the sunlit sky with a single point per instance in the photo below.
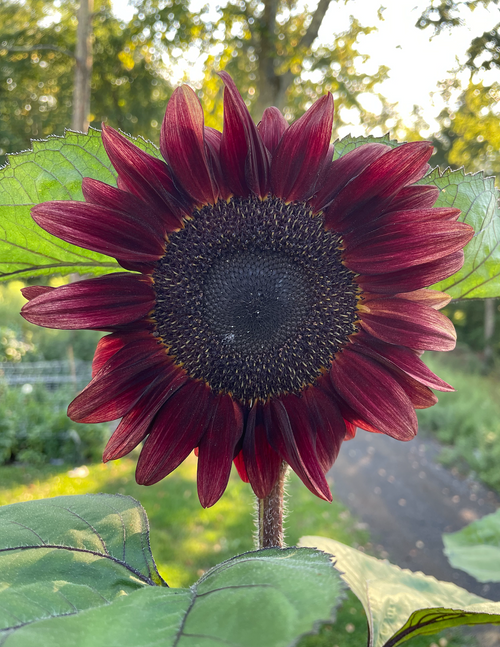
(417, 62)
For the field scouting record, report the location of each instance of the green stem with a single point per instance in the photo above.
(270, 514)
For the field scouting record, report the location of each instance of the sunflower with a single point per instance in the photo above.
(274, 300)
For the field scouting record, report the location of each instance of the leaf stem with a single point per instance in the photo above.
(270, 513)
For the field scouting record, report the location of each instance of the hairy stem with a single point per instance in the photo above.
(270, 514)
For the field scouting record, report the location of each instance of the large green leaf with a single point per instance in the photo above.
(476, 548)
(53, 170)
(400, 604)
(62, 555)
(477, 198)
(349, 143)
(78, 571)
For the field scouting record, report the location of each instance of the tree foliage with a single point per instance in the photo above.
(484, 50)
(37, 41)
(270, 48)
(273, 52)
(470, 132)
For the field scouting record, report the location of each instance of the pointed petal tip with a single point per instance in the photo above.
(182, 144)
(243, 156)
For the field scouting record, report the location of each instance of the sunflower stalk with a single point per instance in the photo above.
(271, 512)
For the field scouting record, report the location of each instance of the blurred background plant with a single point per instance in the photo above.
(41, 370)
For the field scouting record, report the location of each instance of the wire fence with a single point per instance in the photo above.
(52, 374)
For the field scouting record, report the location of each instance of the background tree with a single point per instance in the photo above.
(469, 132)
(37, 64)
(271, 49)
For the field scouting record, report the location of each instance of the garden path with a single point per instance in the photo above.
(407, 500)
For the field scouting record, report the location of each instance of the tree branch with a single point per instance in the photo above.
(313, 29)
(54, 48)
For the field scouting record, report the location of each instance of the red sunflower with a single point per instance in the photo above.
(275, 300)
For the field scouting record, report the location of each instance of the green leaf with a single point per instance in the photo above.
(477, 198)
(53, 170)
(78, 571)
(476, 548)
(349, 143)
(400, 604)
(60, 556)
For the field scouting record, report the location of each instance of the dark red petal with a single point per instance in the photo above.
(175, 432)
(344, 170)
(33, 291)
(371, 391)
(239, 463)
(354, 419)
(405, 245)
(406, 323)
(107, 346)
(377, 184)
(272, 127)
(433, 298)
(115, 199)
(182, 144)
(115, 233)
(350, 430)
(212, 139)
(100, 303)
(327, 425)
(244, 158)
(414, 197)
(397, 221)
(262, 463)
(420, 396)
(216, 450)
(413, 278)
(403, 358)
(292, 437)
(134, 427)
(143, 268)
(212, 142)
(324, 171)
(350, 416)
(301, 152)
(120, 383)
(145, 176)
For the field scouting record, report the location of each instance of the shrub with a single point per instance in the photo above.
(468, 421)
(34, 428)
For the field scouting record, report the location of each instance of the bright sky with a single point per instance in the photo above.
(417, 63)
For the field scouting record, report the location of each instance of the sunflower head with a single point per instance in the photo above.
(274, 301)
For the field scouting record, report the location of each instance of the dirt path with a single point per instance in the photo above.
(408, 500)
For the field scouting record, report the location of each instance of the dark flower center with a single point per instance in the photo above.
(256, 301)
(252, 297)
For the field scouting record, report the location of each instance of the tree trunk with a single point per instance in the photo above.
(83, 70)
(272, 89)
(271, 86)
